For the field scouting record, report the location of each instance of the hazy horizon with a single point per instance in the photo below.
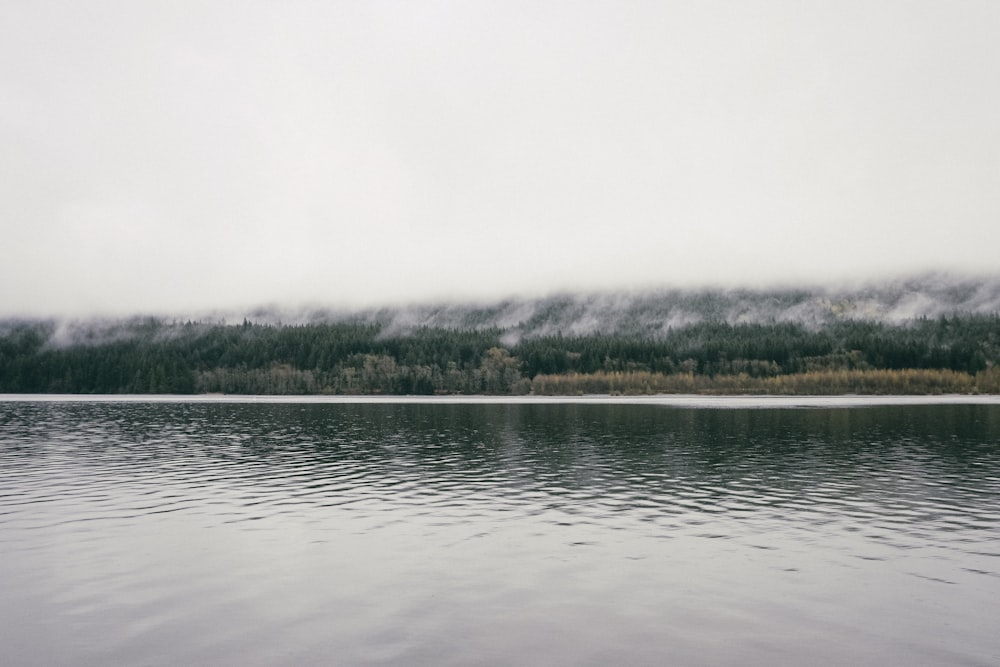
(581, 312)
(165, 157)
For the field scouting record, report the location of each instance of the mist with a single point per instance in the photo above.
(650, 314)
(655, 313)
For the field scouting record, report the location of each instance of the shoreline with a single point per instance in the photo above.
(733, 401)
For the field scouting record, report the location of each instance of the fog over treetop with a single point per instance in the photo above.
(167, 156)
(646, 313)
(656, 312)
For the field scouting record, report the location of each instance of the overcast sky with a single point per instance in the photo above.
(167, 156)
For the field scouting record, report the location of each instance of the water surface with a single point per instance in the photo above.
(444, 533)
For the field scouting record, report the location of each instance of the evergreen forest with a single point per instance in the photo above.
(957, 353)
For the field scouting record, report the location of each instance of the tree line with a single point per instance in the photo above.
(959, 353)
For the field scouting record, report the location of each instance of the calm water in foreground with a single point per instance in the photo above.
(456, 534)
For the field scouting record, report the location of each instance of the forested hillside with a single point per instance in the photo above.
(667, 342)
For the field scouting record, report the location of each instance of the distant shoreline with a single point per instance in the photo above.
(666, 400)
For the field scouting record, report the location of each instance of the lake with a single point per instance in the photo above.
(559, 532)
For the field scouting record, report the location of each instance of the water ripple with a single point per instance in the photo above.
(281, 513)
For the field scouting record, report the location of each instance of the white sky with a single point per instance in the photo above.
(160, 156)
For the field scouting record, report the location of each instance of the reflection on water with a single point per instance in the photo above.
(498, 534)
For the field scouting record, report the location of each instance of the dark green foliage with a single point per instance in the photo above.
(154, 356)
